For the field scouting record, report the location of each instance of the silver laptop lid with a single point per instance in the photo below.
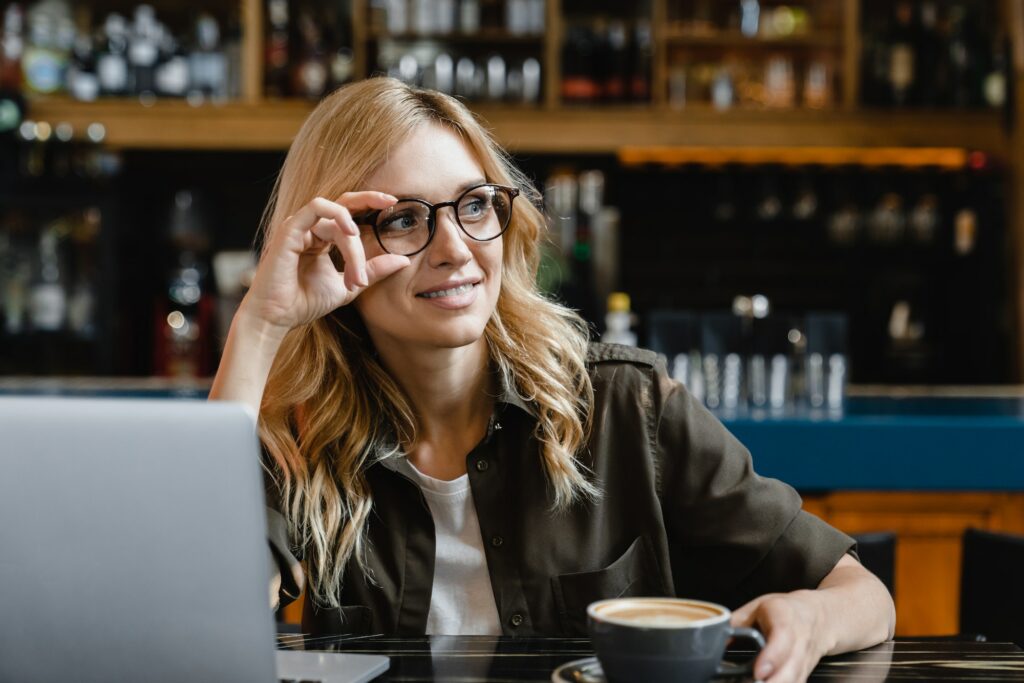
(132, 542)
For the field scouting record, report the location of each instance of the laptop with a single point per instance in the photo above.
(133, 547)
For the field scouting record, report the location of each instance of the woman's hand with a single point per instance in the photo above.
(850, 610)
(792, 624)
(296, 281)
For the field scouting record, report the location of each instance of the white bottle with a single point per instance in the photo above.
(48, 298)
(618, 321)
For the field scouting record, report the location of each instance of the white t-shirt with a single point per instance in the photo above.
(461, 600)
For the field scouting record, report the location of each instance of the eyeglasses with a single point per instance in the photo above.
(406, 228)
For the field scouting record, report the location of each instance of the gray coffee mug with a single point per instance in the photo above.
(665, 639)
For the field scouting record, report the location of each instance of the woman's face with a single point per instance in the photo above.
(436, 166)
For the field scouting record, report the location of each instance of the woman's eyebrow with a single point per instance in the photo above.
(459, 190)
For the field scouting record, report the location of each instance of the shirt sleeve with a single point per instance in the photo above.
(285, 557)
(733, 535)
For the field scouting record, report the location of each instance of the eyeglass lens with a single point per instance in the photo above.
(482, 213)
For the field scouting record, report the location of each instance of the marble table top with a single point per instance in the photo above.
(483, 658)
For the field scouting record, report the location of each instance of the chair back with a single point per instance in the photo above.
(877, 553)
(992, 586)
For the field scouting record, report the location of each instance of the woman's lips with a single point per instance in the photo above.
(458, 297)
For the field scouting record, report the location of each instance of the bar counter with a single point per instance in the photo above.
(925, 465)
(895, 443)
(884, 441)
(482, 658)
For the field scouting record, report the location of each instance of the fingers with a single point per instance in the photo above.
(361, 201)
(744, 616)
(296, 229)
(380, 267)
(787, 656)
(351, 248)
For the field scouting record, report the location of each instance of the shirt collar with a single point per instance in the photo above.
(387, 451)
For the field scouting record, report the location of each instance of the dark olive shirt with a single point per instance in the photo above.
(681, 513)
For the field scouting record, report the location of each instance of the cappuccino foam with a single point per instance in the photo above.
(663, 614)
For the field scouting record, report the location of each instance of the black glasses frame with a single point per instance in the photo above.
(370, 217)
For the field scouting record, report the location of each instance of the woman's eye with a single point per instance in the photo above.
(475, 208)
(400, 223)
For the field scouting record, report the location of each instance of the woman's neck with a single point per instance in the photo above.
(451, 391)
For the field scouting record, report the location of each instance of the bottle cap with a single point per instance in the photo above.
(618, 302)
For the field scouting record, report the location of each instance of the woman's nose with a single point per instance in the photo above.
(449, 243)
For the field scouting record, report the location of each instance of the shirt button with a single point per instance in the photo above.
(482, 465)
(516, 620)
(497, 541)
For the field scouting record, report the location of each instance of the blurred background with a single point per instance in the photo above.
(807, 194)
(810, 207)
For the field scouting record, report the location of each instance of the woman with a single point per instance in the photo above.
(447, 454)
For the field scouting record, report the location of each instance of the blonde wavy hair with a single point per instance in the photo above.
(330, 404)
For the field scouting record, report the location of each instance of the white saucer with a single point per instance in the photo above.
(586, 670)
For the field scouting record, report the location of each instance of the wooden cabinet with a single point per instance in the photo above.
(929, 527)
(257, 122)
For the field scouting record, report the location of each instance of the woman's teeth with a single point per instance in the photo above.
(462, 289)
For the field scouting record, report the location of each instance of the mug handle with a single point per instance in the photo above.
(746, 668)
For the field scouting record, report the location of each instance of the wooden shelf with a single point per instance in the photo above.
(685, 38)
(272, 124)
(485, 38)
(949, 158)
(174, 124)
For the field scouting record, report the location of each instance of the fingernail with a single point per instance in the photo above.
(764, 670)
(353, 228)
(363, 279)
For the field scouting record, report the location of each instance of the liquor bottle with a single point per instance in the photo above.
(618, 321)
(208, 66)
(599, 64)
(143, 52)
(817, 92)
(44, 61)
(578, 51)
(184, 314)
(933, 81)
(82, 81)
(924, 219)
(445, 19)
(531, 80)
(496, 78)
(338, 45)
(85, 229)
(233, 57)
(640, 88)
(310, 72)
(617, 77)
(966, 49)
(171, 76)
(994, 83)
(276, 56)
(16, 257)
(112, 61)
(48, 293)
(11, 48)
(750, 18)
(469, 17)
(902, 55)
(397, 16)
(424, 17)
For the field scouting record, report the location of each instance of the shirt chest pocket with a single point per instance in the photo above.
(633, 574)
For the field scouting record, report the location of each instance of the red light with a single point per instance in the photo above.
(977, 160)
